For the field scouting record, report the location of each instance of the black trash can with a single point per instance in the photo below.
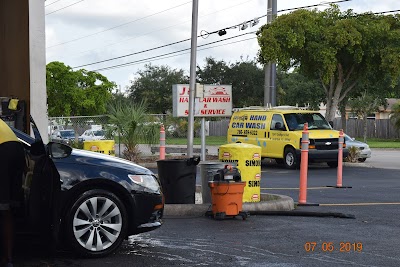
(178, 179)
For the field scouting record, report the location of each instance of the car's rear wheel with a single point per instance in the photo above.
(96, 223)
(290, 158)
(362, 159)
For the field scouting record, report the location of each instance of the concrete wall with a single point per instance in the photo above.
(22, 56)
(37, 65)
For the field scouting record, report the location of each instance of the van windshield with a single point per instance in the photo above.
(295, 121)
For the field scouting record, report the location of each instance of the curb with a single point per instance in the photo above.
(347, 164)
(357, 164)
(269, 202)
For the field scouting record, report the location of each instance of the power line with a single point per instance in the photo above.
(386, 12)
(117, 26)
(165, 57)
(128, 39)
(173, 54)
(64, 7)
(52, 3)
(208, 33)
(170, 53)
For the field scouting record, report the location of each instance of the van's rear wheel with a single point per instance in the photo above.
(332, 164)
(290, 158)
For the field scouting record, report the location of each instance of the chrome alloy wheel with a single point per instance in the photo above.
(289, 159)
(97, 223)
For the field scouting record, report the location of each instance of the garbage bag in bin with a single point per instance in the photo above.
(178, 179)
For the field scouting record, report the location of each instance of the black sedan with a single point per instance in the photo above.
(88, 200)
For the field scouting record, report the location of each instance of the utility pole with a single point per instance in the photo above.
(192, 85)
(270, 68)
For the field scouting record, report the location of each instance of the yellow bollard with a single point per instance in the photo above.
(100, 146)
(247, 158)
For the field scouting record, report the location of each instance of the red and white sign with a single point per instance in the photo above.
(215, 101)
(254, 197)
(226, 155)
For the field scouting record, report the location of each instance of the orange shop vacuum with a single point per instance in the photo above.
(227, 194)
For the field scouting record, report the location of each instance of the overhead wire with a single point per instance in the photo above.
(52, 3)
(117, 26)
(170, 53)
(163, 55)
(185, 51)
(64, 7)
(205, 48)
(161, 29)
(174, 43)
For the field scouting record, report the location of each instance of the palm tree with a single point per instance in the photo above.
(395, 117)
(133, 126)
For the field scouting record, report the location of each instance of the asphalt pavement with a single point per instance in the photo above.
(306, 236)
(381, 158)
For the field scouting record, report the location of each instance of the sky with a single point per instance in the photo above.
(117, 38)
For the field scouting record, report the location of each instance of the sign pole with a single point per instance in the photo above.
(203, 139)
(192, 86)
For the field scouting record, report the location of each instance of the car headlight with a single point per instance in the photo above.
(147, 181)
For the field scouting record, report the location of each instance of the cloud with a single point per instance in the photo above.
(97, 30)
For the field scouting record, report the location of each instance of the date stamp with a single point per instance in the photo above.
(332, 246)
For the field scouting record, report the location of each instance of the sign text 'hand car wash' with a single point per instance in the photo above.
(210, 100)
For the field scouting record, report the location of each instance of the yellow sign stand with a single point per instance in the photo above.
(101, 146)
(247, 158)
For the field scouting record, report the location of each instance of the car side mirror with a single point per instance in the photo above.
(59, 151)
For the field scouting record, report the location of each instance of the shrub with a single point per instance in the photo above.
(354, 154)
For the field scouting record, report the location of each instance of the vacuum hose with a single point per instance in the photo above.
(304, 214)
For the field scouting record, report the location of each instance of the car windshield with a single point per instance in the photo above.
(347, 138)
(295, 121)
(67, 133)
(98, 133)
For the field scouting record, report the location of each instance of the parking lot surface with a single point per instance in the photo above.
(369, 239)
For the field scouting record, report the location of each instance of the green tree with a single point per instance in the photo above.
(246, 78)
(299, 90)
(76, 93)
(338, 48)
(364, 105)
(213, 72)
(367, 96)
(133, 126)
(395, 116)
(154, 85)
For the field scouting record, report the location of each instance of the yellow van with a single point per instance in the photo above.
(278, 131)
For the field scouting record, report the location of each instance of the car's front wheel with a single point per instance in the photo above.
(362, 159)
(290, 158)
(96, 223)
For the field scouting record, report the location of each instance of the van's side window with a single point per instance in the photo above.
(291, 121)
(277, 123)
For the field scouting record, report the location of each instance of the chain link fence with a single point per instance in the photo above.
(175, 131)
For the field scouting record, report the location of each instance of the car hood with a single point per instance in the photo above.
(356, 143)
(95, 158)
